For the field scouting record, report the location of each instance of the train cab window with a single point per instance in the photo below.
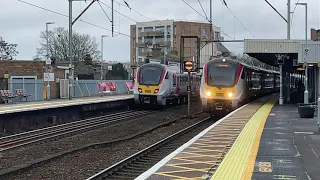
(150, 75)
(221, 74)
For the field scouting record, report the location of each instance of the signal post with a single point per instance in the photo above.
(188, 67)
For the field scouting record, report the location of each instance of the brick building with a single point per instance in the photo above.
(156, 38)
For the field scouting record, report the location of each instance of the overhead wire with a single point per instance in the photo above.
(203, 11)
(72, 18)
(205, 18)
(194, 9)
(225, 4)
(121, 13)
(291, 21)
(104, 11)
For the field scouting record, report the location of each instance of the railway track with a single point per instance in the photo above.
(133, 166)
(63, 130)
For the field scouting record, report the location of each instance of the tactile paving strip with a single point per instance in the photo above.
(208, 151)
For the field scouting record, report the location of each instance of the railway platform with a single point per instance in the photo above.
(40, 105)
(261, 140)
(15, 117)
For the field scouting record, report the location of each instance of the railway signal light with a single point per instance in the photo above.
(188, 65)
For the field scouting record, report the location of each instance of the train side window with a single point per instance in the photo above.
(174, 80)
(167, 76)
(243, 75)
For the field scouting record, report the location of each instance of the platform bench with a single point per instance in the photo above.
(21, 93)
(7, 96)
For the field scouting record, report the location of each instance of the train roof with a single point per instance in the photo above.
(236, 61)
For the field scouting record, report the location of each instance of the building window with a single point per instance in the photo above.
(217, 35)
(148, 29)
(159, 28)
(204, 32)
(168, 30)
(139, 32)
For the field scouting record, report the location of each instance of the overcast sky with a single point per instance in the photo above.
(21, 23)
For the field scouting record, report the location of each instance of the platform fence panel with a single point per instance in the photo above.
(34, 87)
(89, 88)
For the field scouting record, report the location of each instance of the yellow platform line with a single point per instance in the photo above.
(240, 155)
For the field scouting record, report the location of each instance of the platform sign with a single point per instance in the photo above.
(48, 76)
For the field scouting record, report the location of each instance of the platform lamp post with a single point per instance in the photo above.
(48, 61)
(101, 73)
(306, 97)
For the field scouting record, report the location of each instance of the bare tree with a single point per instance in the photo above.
(82, 45)
(7, 50)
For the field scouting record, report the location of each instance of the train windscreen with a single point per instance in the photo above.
(150, 75)
(221, 74)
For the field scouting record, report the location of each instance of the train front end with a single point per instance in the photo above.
(220, 90)
(149, 87)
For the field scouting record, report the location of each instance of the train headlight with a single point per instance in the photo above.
(156, 91)
(230, 94)
(140, 90)
(208, 93)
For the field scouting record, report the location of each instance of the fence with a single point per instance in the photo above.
(34, 87)
(82, 88)
(88, 88)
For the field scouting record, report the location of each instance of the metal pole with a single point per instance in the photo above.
(101, 57)
(318, 114)
(47, 69)
(211, 34)
(48, 60)
(288, 20)
(306, 97)
(189, 93)
(70, 51)
(281, 79)
(112, 17)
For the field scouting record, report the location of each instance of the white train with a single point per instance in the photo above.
(160, 83)
(226, 83)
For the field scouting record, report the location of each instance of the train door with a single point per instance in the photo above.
(174, 83)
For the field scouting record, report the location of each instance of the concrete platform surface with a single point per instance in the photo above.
(289, 147)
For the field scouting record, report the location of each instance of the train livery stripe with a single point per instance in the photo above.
(240, 69)
(205, 73)
(163, 74)
(138, 75)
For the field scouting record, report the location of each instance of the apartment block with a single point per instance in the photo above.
(154, 39)
(315, 34)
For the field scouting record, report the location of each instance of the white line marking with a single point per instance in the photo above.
(303, 132)
(161, 163)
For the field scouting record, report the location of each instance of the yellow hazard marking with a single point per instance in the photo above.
(173, 176)
(187, 168)
(197, 154)
(202, 150)
(239, 162)
(208, 146)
